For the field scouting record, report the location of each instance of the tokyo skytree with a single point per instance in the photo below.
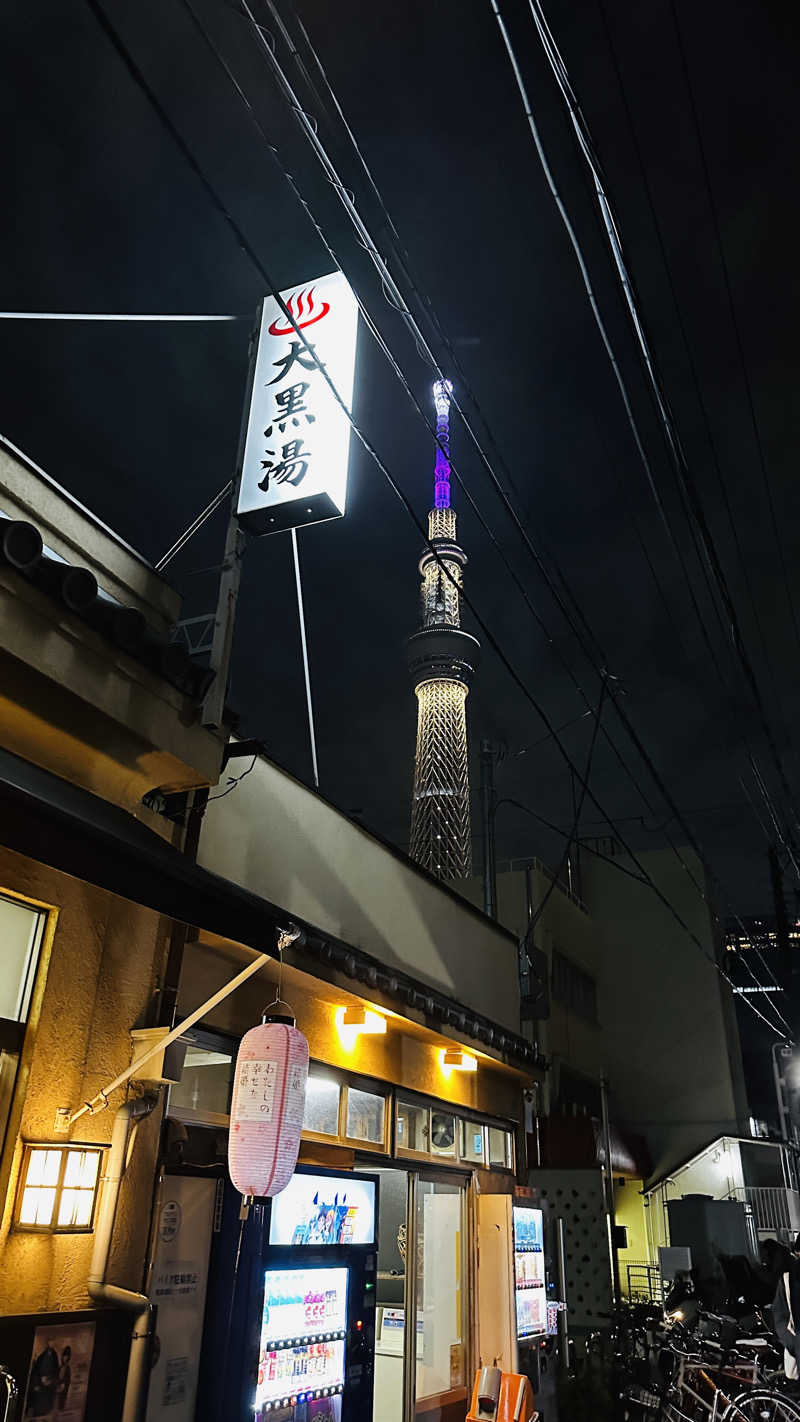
(442, 659)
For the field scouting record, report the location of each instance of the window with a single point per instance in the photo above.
(366, 1116)
(322, 1105)
(473, 1142)
(21, 929)
(203, 1093)
(413, 1131)
(21, 934)
(59, 1188)
(501, 1148)
(574, 988)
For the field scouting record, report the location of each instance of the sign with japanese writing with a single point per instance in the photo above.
(269, 1090)
(294, 465)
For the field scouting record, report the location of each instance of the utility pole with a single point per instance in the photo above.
(608, 1180)
(488, 756)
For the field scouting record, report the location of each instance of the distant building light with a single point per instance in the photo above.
(769, 988)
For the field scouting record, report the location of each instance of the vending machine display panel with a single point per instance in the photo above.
(324, 1210)
(303, 1330)
(529, 1280)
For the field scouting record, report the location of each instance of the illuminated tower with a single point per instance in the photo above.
(442, 659)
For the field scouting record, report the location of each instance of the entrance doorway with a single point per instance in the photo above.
(421, 1372)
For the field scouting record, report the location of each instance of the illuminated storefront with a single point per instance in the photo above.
(438, 1124)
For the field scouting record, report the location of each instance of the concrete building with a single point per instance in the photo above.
(619, 992)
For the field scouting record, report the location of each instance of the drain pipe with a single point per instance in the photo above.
(130, 1113)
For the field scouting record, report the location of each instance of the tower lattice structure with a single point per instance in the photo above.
(442, 658)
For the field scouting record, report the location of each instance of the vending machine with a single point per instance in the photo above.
(529, 1273)
(298, 1342)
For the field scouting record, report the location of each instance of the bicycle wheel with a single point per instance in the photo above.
(762, 1405)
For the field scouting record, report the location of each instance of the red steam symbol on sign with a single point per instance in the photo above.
(303, 311)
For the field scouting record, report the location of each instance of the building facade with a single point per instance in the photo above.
(132, 895)
(97, 711)
(638, 1026)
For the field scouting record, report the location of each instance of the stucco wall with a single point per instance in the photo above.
(104, 956)
(277, 838)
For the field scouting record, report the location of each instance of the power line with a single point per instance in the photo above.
(298, 112)
(690, 356)
(404, 262)
(105, 316)
(405, 265)
(196, 524)
(573, 832)
(311, 131)
(672, 437)
(734, 319)
(139, 78)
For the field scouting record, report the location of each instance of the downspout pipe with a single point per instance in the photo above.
(98, 1287)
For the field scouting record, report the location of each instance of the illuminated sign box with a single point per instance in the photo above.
(294, 466)
(317, 1210)
(529, 1272)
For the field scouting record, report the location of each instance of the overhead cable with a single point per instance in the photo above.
(759, 443)
(693, 370)
(672, 436)
(139, 78)
(299, 111)
(310, 128)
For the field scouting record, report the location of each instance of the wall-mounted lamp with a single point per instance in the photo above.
(453, 1059)
(58, 1188)
(355, 1022)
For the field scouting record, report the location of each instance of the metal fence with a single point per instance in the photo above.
(644, 1283)
(774, 1210)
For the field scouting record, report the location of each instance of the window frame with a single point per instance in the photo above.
(211, 1041)
(18, 1038)
(27, 984)
(65, 1147)
(324, 1073)
(464, 1117)
(367, 1088)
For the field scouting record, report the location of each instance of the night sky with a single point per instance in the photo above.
(102, 213)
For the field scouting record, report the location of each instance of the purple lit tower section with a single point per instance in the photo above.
(442, 659)
(442, 391)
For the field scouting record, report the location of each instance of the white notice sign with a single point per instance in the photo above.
(294, 468)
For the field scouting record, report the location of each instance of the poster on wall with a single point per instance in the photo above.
(58, 1380)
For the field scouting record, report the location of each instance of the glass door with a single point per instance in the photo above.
(440, 1294)
(420, 1367)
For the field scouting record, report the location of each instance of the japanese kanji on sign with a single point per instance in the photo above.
(269, 1092)
(294, 465)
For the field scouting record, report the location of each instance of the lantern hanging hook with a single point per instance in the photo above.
(286, 937)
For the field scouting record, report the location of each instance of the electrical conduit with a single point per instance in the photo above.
(99, 1289)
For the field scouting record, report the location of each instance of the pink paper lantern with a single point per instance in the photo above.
(269, 1097)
